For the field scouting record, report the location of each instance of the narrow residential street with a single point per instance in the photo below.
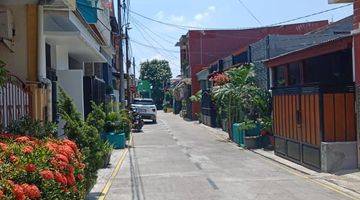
(175, 159)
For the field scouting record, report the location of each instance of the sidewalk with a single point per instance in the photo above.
(347, 182)
(104, 175)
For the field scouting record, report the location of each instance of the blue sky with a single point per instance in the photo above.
(211, 14)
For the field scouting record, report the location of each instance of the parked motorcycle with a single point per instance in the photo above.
(137, 121)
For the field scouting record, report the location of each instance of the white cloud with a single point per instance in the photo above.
(212, 8)
(202, 16)
(197, 21)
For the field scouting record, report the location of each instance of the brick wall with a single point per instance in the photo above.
(356, 14)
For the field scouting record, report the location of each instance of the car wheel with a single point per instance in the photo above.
(154, 121)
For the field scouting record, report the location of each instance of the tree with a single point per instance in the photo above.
(158, 73)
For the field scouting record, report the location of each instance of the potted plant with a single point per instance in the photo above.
(113, 130)
(266, 139)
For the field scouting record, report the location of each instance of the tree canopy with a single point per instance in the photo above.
(158, 73)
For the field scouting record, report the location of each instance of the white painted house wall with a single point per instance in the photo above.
(72, 82)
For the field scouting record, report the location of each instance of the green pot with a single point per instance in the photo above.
(118, 141)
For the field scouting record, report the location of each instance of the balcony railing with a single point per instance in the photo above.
(15, 101)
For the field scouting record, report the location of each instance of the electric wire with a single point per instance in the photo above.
(143, 31)
(250, 12)
(184, 27)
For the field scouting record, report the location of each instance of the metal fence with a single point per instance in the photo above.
(15, 101)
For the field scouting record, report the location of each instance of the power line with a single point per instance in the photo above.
(156, 34)
(142, 31)
(186, 28)
(250, 12)
(152, 47)
(310, 15)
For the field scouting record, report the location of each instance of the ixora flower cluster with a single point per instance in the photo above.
(220, 79)
(40, 169)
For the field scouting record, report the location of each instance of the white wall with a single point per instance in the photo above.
(17, 60)
(60, 56)
(72, 82)
(117, 94)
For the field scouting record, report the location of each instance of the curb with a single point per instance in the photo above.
(108, 184)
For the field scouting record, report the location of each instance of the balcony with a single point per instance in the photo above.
(70, 4)
(340, 1)
(89, 10)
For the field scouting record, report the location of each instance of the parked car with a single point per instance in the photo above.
(146, 108)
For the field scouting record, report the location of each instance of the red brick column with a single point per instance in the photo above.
(356, 14)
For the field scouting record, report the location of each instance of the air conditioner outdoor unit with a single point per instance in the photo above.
(6, 24)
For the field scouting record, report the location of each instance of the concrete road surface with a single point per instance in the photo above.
(179, 160)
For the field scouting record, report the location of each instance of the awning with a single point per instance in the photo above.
(323, 48)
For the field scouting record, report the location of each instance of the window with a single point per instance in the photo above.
(144, 101)
(334, 68)
(279, 76)
(294, 74)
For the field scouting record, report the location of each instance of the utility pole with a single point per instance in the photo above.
(121, 55)
(133, 63)
(128, 65)
(134, 66)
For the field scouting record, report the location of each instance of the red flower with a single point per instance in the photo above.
(60, 178)
(27, 150)
(13, 158)
(19, 192)
(30, 168)
(71, 169)
(66, 151)
(31, 191)
(70, 144)
(47, 174)
(3, 146)
(22, 139)
(62, 158)
(70, 178)
(80, 177)
(1, 194)
(52, 146)
(82, 166)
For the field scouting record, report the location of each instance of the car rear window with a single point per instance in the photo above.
(144, 102)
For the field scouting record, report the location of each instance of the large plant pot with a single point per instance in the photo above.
(248, 138)
(236, 133)
(118, 141)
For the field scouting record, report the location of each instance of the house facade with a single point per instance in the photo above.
(199, 48)
(68, 43)
(314, 120)
(356, 58)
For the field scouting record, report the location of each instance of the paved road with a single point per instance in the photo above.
(178, 160)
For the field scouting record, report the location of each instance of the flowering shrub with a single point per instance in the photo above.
(40, 169)
(220, 79)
